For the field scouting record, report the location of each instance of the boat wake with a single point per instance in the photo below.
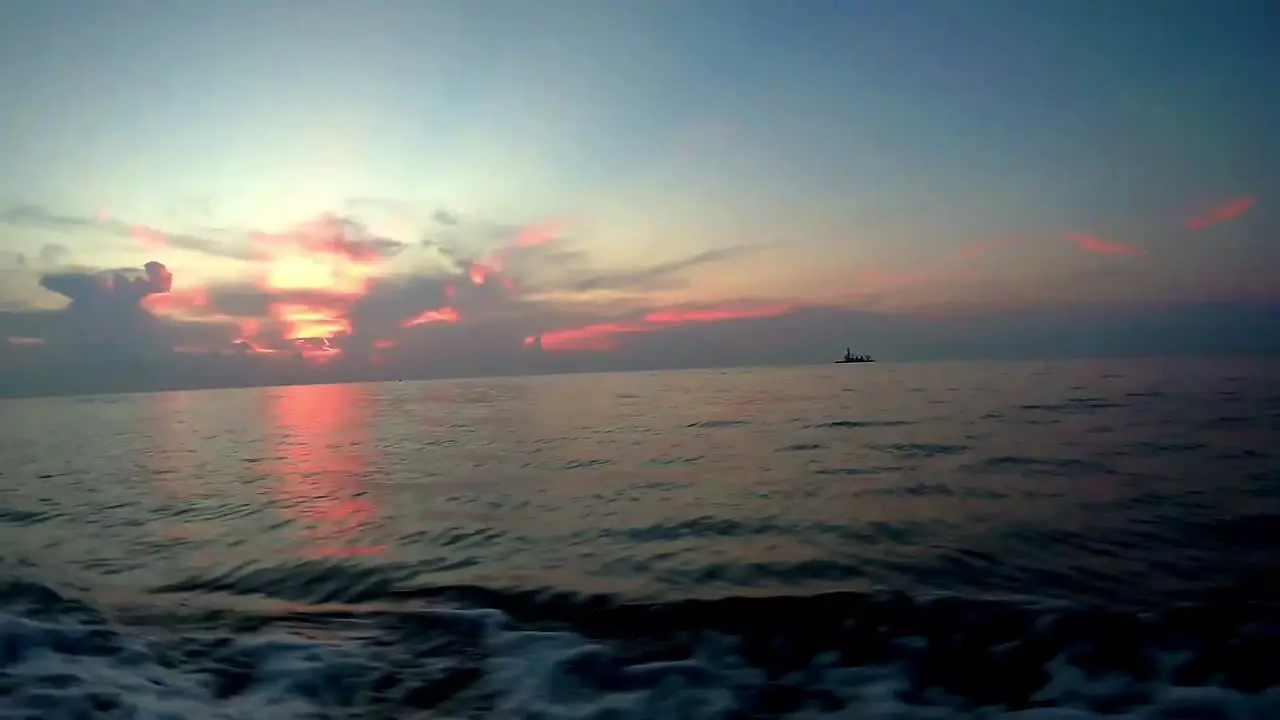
(470, 652)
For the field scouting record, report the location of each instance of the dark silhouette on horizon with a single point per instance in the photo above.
(849, 357)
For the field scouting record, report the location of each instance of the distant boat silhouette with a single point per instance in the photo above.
(849, 357)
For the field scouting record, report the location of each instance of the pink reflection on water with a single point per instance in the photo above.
(171, 441)
(171, 451)
(321, 437)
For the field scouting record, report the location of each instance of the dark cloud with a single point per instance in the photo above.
(241, 299)
(103, 325)
(124, 287)
(445, 249)
(398, 298)
(54, 254)
(445, 217)
(104, 318)
(23, 323)
(388, 302)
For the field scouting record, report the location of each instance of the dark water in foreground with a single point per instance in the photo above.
(625, 546)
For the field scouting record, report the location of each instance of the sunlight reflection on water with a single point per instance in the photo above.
(1000, 477)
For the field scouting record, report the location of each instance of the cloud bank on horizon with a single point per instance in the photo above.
(322, 292)
(709, 188)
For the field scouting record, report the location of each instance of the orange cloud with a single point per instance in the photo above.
(603, 336)
(307, 283)
(25, 341)
(426, 317)
(1223, 213)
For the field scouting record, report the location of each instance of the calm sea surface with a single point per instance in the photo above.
(1124, 484)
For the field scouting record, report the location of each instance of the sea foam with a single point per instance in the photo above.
(552, 657)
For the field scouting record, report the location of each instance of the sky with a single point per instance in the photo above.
(242, 192)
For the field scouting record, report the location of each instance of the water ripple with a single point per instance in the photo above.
(1127, 480)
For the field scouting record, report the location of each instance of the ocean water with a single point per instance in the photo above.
(891, 540)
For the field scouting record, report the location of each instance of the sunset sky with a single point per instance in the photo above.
(623, 169)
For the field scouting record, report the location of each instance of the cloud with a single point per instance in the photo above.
(535, 253)
(35, 216)
(605, 336)
(347, 235)
(105, 314)
(50, 255)
(335, 233)
(125, 287)
(318, 291)
(54, 254)
(1095, 244)
(655, 276)
(479, 330)
(468, 239)
(317, 302)
(1225, 212)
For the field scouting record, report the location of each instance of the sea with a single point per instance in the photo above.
(1077, 539)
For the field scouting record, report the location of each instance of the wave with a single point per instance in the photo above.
(472, 651)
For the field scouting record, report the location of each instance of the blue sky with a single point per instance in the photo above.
(853, 140)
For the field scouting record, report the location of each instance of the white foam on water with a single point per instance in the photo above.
(562, 676)
(64, 670)
(60, 671)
